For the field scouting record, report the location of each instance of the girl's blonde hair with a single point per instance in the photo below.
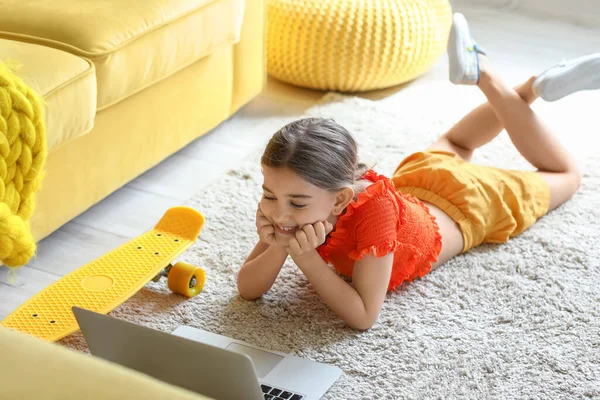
(319, 150)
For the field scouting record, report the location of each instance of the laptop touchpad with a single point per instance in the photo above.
(263, 361)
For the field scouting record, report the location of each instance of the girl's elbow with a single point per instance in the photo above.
(245, 290)
(361, 327)
(363, 324)
(246, 294)
(242, 288)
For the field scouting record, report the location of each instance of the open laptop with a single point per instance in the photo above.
(212, 365)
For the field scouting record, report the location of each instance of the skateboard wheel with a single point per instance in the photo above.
(186, 279)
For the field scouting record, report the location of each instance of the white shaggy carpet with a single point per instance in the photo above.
(518, 320)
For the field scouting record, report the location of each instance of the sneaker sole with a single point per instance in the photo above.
(561, 84)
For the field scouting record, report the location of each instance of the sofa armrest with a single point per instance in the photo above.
(249, 55)
(31, 368)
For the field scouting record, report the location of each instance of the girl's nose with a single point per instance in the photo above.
(281, 217)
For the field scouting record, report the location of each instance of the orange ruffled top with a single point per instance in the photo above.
(382, 220)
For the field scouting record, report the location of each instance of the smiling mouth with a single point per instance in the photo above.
(286, 230)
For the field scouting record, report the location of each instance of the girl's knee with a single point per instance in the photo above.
(562, 185)
(572, 180)
(576, 177)
(445, 143)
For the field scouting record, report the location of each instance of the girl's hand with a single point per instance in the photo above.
(265, 229)
(309, 238)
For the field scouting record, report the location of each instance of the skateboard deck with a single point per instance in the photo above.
(108, 281)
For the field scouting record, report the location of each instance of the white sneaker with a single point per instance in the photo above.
(462, 53)
(568, 77)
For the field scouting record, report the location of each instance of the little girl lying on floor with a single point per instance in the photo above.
(320, 205)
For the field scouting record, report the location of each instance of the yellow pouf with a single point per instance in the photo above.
(355, 45)
(22, 159)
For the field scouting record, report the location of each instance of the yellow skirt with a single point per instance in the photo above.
(489, 204)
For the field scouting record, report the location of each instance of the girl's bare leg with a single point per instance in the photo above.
(478, 127)
(531, 136)
(509, 108)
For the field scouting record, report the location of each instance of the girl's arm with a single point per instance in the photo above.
(259, 271)
(358, 304)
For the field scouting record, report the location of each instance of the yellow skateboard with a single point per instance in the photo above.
(110, 280)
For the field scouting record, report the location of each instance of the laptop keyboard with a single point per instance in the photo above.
(272, 393)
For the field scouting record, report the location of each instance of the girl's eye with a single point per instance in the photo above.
(298, 205)
(268, 198)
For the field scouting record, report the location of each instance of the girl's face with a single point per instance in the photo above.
(290, 202)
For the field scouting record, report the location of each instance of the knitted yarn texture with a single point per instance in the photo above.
(355, 45)
(23, 154)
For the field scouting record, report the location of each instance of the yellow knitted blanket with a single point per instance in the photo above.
(22, 158)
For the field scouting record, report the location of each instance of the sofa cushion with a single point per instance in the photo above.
(34, 369)
(133, 43)
(66, 83)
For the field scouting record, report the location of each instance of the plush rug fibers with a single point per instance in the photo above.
(517, 320)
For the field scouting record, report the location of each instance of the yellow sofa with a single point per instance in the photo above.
(126, 84)
(33, 369)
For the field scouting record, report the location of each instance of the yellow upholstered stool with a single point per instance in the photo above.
(355, 45)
